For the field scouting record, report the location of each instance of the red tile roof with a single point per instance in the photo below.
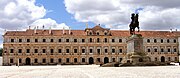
(121, 33)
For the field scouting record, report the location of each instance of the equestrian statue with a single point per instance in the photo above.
(134, 23)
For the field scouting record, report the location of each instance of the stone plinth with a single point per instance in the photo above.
(135, 53)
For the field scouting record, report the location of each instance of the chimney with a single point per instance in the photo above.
(63, 30)
(37, 27)
(171, 30)
(50, 30)
(176, 30)
(69, 30)
(43, 27)
(86, 25)
(29, 27)
(35, 30)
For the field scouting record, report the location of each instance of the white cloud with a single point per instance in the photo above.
(47, 23)
(156, 15)
(18, 14)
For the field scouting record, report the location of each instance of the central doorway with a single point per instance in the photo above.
(28, 61)
(91, 60)
(106, 60)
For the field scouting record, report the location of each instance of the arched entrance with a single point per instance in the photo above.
(91, 60)
(28, 61)
(106, 60)
(162, 59)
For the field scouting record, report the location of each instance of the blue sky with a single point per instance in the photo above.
(57, 11)
(114, 14)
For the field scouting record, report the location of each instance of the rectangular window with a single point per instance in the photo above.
(27, 50)
(67, 40)
(113, 40)
(11, 61)
(44, 40)
(52, 51)
(12, 40)
(155, 50)
(174, 49)
(98, 59)
(114, 59)
(35, 60)
(60, 60)
(105, 50)
(120, 40)
(83, 50)
(52, 60)
(83, 40)
(44, 60)
(169, 50)
(20, 40)
(120, 50)
(67, 60)
(98, 50)
(52, 40)
(36, 40)
(113, 50)
(91, 50)
(162, 50)
(28, 40)
(44, 50)
(75, 50)
(19, 50)
(20, 60)
(83, 60)
(161, 40)
(148, 50)
(155, 41)
(75, 40)
(75, 60)
(174, 40)
(11, 50)
(35, 50)
(59, 50)
(59, 40)
(67, 50)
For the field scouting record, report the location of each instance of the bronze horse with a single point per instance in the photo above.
(134, 23)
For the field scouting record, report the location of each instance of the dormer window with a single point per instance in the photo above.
(105, 33)
(97, 33)
(90, 33)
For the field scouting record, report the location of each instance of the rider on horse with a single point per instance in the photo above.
(134, 23)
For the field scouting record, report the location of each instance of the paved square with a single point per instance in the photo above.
(89, 71)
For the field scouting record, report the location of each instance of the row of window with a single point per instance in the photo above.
(67, 50)
(68, 40)
(162, 50)
(162, 41)
(60, 60)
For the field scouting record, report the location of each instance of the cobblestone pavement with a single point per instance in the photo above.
(89, 71)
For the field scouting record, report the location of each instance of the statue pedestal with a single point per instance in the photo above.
(135, 53)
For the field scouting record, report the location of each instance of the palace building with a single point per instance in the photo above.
(95, 45)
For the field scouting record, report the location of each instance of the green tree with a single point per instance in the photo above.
(1, 50)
